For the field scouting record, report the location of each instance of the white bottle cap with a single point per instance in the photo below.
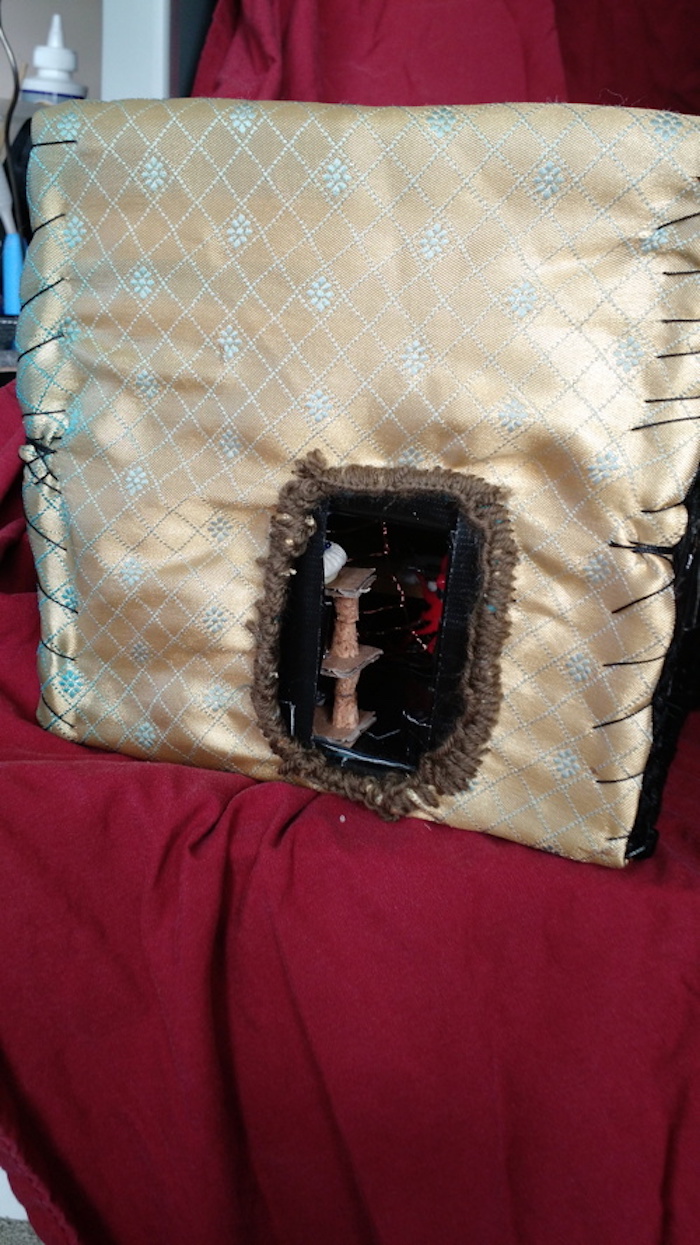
(55, 65)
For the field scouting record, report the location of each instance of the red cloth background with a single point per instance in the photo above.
(250, 1015)
(641, 53)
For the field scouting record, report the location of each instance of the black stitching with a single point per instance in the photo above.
(61, 717)
(637, 661)
(71, 609)
(661, 423)
(615, 721)
(679, 354)
(43, 535)
(625, 778)
(38, 346)
(639, 546)
(646, 597)
(44, 290)
(55, 651)
(690, 397)
(678, 221)
(50, 221)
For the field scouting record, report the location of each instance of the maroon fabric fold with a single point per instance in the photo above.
(244, 1014)
(393, 52)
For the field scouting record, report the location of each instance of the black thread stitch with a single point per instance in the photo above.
(683, 397)
(647, 597)
(672, 505)
(679, 354)
(637, 546)
(43, 535)
(57, 142)
(31, 349)
(661, 423)
(61, 716)
(626, 718)
(683, 272)
(625, 778)
(44, 290)
(50, 221)
(71, 609)
(678, 221)
(43, 481)
(49, 649)
(637, 661)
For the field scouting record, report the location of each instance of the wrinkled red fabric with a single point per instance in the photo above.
(244, 1014)
(635, 52)
(640, 53)
(388, 52)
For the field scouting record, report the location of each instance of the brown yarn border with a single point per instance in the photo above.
(449, 768)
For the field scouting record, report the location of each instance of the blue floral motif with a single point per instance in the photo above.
(411, 456)
(667, 125)
(69, 330)
(566, 763)
(579, 667)
(319, 405)
(230, 344)
(320, 294)
(654, 241)
(414, 357)
(336, 177)
(154, 174)
(513, 415)
(146, 735)
(74, 231)
(598, 570)
(242, 116)
(68, 127)
(218, 698)
(442, 120)
(140, 652)
(549, 180)
(605, 466)
(434, 241)
(142, 282)
(131, 572)
(69, 597)
(231, 444)
(215, 620)
(147, 384)
(522, 299)
(136, 480)
(239, 231)
(219, 529)
(628, 354)
(71, 682)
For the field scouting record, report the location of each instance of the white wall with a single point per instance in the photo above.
(26, 23)
(9, 1206)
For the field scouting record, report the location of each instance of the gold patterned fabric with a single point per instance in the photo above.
(216, 290)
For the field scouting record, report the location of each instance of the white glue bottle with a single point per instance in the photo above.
(54, 65)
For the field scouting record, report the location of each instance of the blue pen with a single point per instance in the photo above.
(12, 261)
(12, 251)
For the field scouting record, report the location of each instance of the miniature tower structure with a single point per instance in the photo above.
(345, 660)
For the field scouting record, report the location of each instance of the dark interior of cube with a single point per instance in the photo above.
(427, 562)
